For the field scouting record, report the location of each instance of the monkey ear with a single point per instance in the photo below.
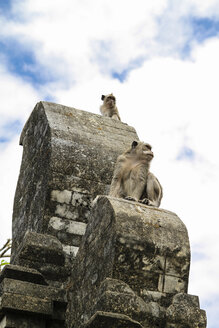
(134, 144)
(103, 97)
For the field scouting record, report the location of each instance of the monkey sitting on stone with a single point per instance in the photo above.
(132, 179)
(109, 108)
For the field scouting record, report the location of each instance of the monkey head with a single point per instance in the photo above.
(141, 151)
(109, 100)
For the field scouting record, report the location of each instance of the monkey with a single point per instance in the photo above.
(132, 179)
(109, 108)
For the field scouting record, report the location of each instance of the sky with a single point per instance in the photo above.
(160, 60)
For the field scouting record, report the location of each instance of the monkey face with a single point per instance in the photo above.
(109, 100)
(142, 150)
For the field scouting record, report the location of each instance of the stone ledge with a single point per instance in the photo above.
(19, 302)
(185, 312)
(21, 273)
(54, 275)
(42, 248)
(44, 253)
(19, 320)
(30, 289)
(111, 320)
(23, 303)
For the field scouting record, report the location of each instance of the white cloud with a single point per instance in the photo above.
(16, 96)
(203, 8)
(9, 168)
(68, 36)
(172, 103)
(17, 101)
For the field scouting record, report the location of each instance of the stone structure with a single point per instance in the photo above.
(133, 261)
(68, 159)
(84, 261)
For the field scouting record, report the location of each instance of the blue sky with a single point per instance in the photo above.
(9, 129)
(5, 7)
(204, 28)
(160, 59)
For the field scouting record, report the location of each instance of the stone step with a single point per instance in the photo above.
(17, 272)
(111, 320)
(67, 231)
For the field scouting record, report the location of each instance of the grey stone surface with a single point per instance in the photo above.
(68, 232)
(30, 289)
(29, 304)
(111, 320)
(68, 159)
(44, 253)
(133, 260)
(185, 312)
(21, 273)
(41, 247)
(117, 297)
(15, 320)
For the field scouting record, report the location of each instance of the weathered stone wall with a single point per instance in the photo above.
(132, 261)
(68, 159)
(31, 192)
(28, 302)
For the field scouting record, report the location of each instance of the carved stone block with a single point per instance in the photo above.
(132, 260)
(27, 301)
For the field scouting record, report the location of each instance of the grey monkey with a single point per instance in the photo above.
(109, 108)
(132, 178)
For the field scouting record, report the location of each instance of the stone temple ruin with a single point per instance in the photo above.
(81, 258)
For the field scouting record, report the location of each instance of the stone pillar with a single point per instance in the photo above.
(68, 159)
(133, 261)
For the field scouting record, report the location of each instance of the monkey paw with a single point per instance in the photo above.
(131, 198)
(144, 201)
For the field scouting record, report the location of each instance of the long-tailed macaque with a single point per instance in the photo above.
(109, 108)
(132, 179)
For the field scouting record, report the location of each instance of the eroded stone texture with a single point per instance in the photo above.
(29, 302)
(24, 274)
(68, 159)
(185, 312)
(44, 253)
(12, 320)
(111, 320)
(133, 259)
